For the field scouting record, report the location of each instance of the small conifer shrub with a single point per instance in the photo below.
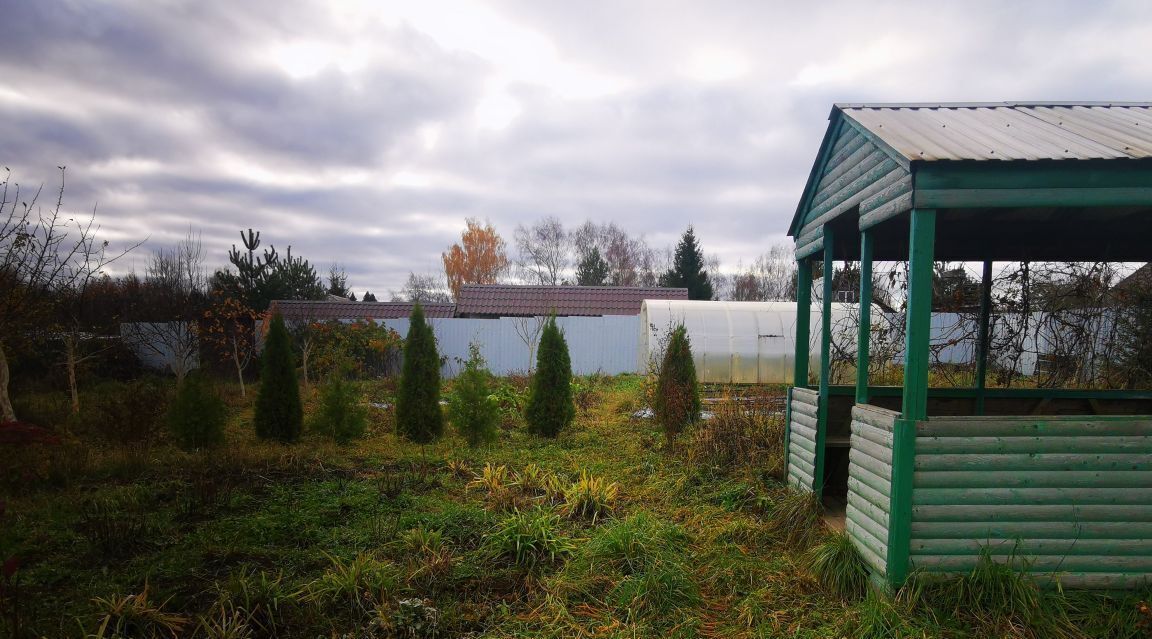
(279, 413)
(473, 410)
(418, 415)
(339, 416)
(677, 400)
(550, 408)
(197, 414)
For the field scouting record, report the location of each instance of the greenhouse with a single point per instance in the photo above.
(1055, 480)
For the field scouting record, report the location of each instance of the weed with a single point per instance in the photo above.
(136, 617)
(226, 623)
(356, 585)
(657, 592)
(416, 619)
(429, 558)
(114, 527)
(741, 434)
(837, 565)
(459, 468)
(590, 497)
(260, 595)
(530, 538)
(498, 485)
(796, 519)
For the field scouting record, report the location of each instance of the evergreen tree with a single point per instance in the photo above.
(688, 269)
(550, 406)
(197, 415)
(279, 413)
(339, 416)
(473, 411)
(418, 415)
(592, 269)
(368, 297)
(677, 401)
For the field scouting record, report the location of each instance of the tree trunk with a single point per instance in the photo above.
(7, 413)
(239, 367)
(70, 362)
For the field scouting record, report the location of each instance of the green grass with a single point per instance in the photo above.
(383, 538)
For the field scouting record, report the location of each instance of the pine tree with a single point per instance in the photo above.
(418, 415)
(473, 411)
(677, 401)
(688, 269)
(550, 406)
(196, 417)
(368, 297)
(339, 415)
(279, 413)
(592, 270)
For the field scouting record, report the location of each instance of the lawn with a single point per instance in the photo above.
(602, 532)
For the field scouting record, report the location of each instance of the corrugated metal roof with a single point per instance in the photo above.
(1010, 130)
(348, 310)
(512, 300)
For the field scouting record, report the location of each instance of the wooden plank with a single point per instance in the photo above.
(877, 517)
(803, 431)
(866, 186)
(1025, 547)
(807, 250)
(874, 559)
(871, 434)
(1060, 461)
(888, 193)
(840, 187)
(1103, 580)
(877, 482)
(1028, 496)
(808, 454)
(1031, 529)
(874, 451)
(875, 418)
(804, 465)
(886, 211)
(799, 480)
(871, 464)
(805, 395)
(1030, 444)
(994, 198)
(867, 492)
(1034, 479)
(1016, 512)
(1036, 563)
(1043, 426)
(840, 164)
(876, 532)
(806, 421)
(804, 408)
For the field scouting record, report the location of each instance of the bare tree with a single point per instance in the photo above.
(543, 251)
(631, 262)
(529, 329)
(44, 256)
(424, 289)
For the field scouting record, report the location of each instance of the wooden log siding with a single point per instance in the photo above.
(1069, 497)
(870, 483)
(802, 438)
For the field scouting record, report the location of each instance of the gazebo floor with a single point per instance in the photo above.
(835, 512)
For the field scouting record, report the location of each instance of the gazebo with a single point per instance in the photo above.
(1057, 480)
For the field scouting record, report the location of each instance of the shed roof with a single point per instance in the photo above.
(1010, 130)
(347, 310)
(506, 300)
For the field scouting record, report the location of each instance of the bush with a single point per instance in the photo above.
(197, 415)
(418, 415)
(474, 413)
(339, 416)
(279, 413)
(677, 401)
(125, 413)
(550, 408)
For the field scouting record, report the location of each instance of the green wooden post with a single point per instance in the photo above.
(922, 238)
(983, 336)
(803, 322)
(864, 331)
(825, 362)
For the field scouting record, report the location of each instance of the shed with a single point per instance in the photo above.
(1059, 480)
(732, 342)
(530, 300)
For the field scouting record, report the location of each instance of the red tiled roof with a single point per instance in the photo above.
(348, 310)
(510, 300)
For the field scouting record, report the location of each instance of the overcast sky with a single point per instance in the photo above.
(366, 132)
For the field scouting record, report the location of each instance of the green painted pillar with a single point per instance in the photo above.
(825, 361)
(864, 332)
(922, 238)
(803, 322)
(982, 343)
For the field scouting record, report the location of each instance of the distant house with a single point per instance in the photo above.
(506, 300)
(307, 310)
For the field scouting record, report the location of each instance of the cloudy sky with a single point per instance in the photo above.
(366, 132)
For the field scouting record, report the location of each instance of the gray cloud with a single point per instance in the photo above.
(367, 137)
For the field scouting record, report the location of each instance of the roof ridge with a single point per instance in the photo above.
(987, 105)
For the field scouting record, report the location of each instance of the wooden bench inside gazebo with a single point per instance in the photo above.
(1058, 481)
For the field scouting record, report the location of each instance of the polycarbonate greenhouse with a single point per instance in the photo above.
(732, 342)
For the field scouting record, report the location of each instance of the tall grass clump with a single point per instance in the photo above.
(677, 400)
(837, 565)
(796, 518)
(741, 434)
(418, 415)
(339, 415)
(472, 408)
(279, 412)
(530, 538)
(197, 415)
(550, 408)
